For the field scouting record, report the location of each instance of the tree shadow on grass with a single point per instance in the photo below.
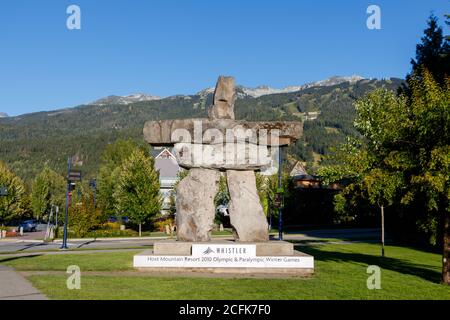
(32, 245)
(423, 271)
(310, 242)
(3, 260)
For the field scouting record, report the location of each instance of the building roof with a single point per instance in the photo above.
(166, 163)
(299, 173)
(298, 170)
(162, 153)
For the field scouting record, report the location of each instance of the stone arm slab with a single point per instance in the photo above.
(205, 131)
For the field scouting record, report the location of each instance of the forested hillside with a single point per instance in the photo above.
(29, 141)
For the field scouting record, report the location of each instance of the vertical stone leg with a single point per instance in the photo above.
(246, 213)
(195, 205)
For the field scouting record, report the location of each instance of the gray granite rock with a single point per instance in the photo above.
(230, 156)
(195, 205)
(246, 213)
(169, 132)
(224, 99)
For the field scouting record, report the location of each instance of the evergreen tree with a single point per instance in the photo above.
(447, 22)
(138, 190)
(433, 53)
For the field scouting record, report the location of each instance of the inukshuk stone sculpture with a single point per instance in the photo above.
(208, 147)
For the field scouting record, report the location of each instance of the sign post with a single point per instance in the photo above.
(93, 185)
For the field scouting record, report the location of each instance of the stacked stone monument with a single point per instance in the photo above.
(208, 148)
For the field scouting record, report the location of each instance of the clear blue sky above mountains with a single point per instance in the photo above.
(167, 47)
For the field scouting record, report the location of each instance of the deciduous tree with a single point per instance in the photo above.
(138, 190)
(405, 154)
(48, 189)
(13, 203)
(112, 160)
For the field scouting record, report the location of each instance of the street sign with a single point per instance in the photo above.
(278, 200)
(75, 175)
(72, 186)
(93, 183)
(3, 191)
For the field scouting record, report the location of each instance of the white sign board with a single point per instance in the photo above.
(223, 251)
(152, 261)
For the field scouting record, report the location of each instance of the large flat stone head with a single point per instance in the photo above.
(224, 99)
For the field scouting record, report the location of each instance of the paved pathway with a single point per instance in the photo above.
(14, 286)
(28, 245)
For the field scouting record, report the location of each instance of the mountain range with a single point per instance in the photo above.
(242, 91)
(29, 141)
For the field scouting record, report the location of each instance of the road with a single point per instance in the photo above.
(24, 246)
(28, 244)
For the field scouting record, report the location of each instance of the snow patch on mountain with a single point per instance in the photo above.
(266, 90)
(132, 98)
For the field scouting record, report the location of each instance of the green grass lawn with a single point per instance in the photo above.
(111, 261)
(340, 274)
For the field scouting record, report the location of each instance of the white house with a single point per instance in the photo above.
(166, 164)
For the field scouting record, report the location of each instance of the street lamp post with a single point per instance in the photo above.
(64, 244)
(280, 187)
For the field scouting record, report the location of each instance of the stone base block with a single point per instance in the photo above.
(226, 257)
(180, 248)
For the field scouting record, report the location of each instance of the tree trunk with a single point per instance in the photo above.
(382, 231)
(140, 229)
(446, 250)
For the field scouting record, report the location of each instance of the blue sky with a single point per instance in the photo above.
(167, 47)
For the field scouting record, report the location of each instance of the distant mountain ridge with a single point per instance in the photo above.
(3, 115)
(29, 141)
(242, 91)
(266, 90)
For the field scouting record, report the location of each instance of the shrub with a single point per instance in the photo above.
(83, 216)
(111, 226)
(161, 223)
